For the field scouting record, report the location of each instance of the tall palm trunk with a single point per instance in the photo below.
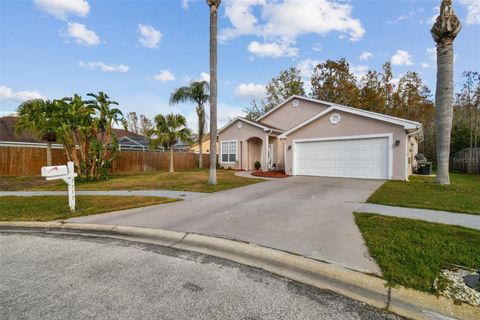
(446, 28)
(171, 159)
(200, 155)
(49, 153)
(214, 4)
(201, 127)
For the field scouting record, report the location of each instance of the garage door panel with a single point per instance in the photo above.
(354, 158)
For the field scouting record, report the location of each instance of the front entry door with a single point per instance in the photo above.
(270, 156)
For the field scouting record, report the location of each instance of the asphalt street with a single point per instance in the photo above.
(74, 277)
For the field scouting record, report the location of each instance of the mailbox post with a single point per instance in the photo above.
(67, 174)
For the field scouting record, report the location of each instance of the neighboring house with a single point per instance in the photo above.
(195, 147)
(181, 146)
(126, 140)
(133, 143)
(309, 137)
(8, 137)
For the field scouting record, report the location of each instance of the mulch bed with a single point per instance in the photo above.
(270, 174)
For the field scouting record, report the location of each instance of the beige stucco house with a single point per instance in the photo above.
(195, 147)
(309, 137)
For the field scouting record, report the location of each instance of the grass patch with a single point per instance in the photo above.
(47, 208)
(463, 195)
(189, 180)
(411, 253)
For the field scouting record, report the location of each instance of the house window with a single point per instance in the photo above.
(229, 151)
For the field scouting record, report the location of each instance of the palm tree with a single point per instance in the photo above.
(213, 4)
(38, 116)
(197, 92)
(168, 130)
(107, 118)
(446, 28)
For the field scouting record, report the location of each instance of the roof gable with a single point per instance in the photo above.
(254, 123)
(406, 124)
(291, 98)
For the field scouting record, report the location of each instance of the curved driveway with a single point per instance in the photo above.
(310, 216)
(70, 277)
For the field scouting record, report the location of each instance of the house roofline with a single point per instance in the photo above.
(131, 140)
(258, 125)
(287, 100)
(335, 104)
(407, 124)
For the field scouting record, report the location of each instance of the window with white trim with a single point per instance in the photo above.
(229, 151)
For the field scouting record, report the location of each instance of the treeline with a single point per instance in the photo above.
(407, 97)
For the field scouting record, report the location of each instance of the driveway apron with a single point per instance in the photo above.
(311, 216)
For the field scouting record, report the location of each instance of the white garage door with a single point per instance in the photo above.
(354, 158)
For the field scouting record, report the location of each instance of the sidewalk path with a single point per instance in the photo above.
(186, 195)
(445, 217)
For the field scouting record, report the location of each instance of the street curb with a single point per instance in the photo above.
(356, 285)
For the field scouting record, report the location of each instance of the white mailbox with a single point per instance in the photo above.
(54, 171)
(67, 174)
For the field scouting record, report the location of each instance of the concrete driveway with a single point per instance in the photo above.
(70, 277)
(311, 216)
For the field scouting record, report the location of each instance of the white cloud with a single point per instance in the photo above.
(431, 20)
(317, 47)
(410, 14)
(359, 71)
(82, 35)
(306, 67)
(279, 23)
(149, 36)
(164, 76)
(432, 53)
(425, 65)
(225, 113)
(473, 11)
(365, 55)
(64, 8)
(402, 58)
(204, 77)
(272, 49)
(7, 94)
(186, 4)
(104, 67)
(249, 91)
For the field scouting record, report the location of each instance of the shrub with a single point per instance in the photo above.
(258, 165)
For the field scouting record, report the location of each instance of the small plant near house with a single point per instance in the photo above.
(258, 165)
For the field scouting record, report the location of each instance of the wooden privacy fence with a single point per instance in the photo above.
(28, 161)
(467, 160)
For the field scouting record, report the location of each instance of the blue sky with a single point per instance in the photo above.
(139, 51)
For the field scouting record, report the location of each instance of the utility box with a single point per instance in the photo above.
(425, 169)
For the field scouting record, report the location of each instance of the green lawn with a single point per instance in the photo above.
(47, 208)
(463, 195)
(188, 180)
(412, 253)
